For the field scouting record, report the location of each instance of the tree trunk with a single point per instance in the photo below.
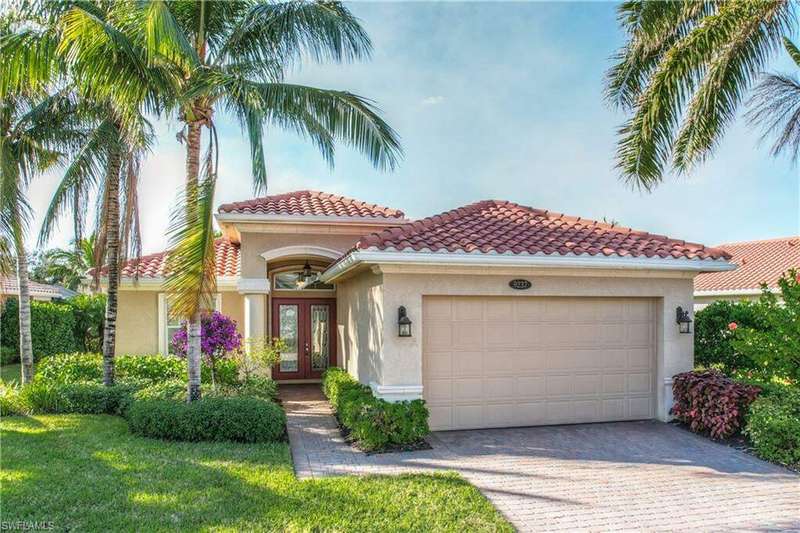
(112, 255)
(193, 355)
(25, 342)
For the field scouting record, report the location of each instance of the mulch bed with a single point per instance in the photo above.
(738, 442)
(421, 444)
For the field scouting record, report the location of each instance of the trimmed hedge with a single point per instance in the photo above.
(773, 425)
(52, 327)
(237, 419)
(711, 403)
(713, 341)
(374, 423)
(145, 369)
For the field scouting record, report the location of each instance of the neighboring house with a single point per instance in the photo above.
(519, 316)
(9, 287)
(758, 262)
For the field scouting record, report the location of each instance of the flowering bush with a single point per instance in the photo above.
(709, 402)
(716, 326)
(218, 338)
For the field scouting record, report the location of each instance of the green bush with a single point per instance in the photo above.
(257, 387)
(375, 423)
(773, 425)
(209, 419)
(227, 372)
(82, 398)
(166, 390)
(10, 403)
(152, 368)
(52, 327)
(70, 368)
(713, 340)
(89, 313)
(9, 355)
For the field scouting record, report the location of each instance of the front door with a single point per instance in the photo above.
(307, 326)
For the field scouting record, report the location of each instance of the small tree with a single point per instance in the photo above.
(218, 339)
(777, 346)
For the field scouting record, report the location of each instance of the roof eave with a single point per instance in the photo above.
(233, 218)
(358, 257)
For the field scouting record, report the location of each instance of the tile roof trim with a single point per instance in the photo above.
(744, 291)
(311, 219)
(477, 258)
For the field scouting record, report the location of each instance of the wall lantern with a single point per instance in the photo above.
(307, 274)
(403, 323)
(683, 320)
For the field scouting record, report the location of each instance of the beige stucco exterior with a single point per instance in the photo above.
(701, 300)
(137, 322)
(399, 366)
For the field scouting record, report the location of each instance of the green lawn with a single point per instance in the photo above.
(9, 373)
(86, 472)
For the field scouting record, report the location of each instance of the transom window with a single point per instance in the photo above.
(295, 281)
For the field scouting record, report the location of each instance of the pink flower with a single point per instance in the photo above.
(732, 326)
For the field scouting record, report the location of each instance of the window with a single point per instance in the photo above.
(291, 281)
(168, 326)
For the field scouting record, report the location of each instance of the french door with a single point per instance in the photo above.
(308, 327)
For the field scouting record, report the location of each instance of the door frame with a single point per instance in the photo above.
(304, 371)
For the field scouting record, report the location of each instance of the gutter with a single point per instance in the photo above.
(735, 292)
(357, 257)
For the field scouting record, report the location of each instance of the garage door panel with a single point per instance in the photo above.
(499, 362)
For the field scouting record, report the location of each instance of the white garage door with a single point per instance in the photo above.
(521, 361)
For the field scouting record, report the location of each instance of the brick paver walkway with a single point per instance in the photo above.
(598, 477)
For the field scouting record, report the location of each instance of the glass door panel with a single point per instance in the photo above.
(320, 337)
(288, 322)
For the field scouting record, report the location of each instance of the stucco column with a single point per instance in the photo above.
(255, 321)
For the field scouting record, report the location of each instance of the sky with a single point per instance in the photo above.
(491, 100)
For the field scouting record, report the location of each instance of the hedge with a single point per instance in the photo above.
(711, 403)
(374, 423)
(713, 340)
(773, 425)
(145, 369)
(240, 419)
(52, 327)
(80, 398)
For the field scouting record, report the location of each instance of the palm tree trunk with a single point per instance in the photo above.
(25, 339)
(112, 251)
(193, 355)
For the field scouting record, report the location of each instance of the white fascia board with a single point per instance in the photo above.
(223, 282)
(308, 219)
(734, 292)
(538, 260)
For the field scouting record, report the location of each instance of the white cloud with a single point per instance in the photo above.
(433, 100)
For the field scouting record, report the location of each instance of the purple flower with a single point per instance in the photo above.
(218, 337)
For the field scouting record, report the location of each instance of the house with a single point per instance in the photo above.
(9, 287)
(495, 313)
(758, 262)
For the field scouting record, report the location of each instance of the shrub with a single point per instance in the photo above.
(773, 426)
(70, 368)
(52, 327)
(776, 346)
(9, 355)
(375, 423)
(83, 398)
(10, 403)
(713, 340)
(89, 313)
(208, 419)
(711, 403)
(219, 338)
(152, 368)
(227, 372)
(257, 387)
(166, 390)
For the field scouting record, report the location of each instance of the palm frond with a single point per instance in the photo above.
(792, 50)
(775, 107)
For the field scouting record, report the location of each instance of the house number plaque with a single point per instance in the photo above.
(519, 284)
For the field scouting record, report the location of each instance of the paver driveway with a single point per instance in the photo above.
(617, 476)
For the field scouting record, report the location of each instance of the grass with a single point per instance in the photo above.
(10, 373)
(85, 472)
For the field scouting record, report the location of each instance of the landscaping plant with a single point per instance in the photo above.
(714, 334)
(219, 338)
(773, 426)
(711, 403)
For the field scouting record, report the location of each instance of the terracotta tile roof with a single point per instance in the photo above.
(311, 203)
(226, 254)
(493, 226)
(759, 262)
(10, 286)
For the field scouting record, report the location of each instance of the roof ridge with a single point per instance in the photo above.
(757, 241)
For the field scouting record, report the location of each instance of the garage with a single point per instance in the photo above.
(521, 361)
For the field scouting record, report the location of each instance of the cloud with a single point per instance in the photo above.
(433, 100)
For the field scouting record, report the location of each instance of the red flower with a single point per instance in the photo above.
(732, 326)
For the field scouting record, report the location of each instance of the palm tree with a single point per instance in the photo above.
(682, 74)
(40, 53)
(233, 56)
(34, 133)
(775, 106)
(67, 267)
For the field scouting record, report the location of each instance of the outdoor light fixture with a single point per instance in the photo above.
(683, 320)
(307, 274)
(403, 323)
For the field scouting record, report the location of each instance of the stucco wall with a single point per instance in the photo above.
(359, 317)
(702, 301)
(137, 322)
(255, 244)
(400, 362)
(233, 306)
